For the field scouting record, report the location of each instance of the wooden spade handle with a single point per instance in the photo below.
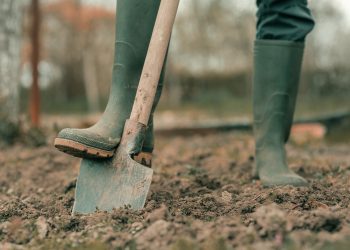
(154, 61)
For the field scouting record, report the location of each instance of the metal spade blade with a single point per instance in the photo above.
(115, 183)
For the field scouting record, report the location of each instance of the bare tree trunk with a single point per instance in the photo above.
(35, 58)
(10, 31)
(90, 81)
(90, 74)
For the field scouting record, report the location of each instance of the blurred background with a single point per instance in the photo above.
(209, 71)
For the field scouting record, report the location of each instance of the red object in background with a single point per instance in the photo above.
(304, 133)
(34, 104)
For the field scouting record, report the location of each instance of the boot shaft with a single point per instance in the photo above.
(134, 27)
(277, 66)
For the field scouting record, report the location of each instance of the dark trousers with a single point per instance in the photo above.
(289, 20)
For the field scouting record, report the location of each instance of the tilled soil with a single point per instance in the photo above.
(202, 197)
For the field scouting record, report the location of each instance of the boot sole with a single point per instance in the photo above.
(82, 151)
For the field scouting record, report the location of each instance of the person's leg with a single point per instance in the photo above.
(134, 26)
(288, 20)
(282, 27)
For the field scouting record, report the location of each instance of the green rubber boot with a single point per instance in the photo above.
(135, 22)
(277, 69)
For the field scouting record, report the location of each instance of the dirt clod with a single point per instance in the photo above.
(42, 227)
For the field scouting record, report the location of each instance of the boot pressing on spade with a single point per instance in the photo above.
(277, 68)
(135, 21)
(122, 181)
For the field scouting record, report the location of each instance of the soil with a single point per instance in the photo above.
(202, 197)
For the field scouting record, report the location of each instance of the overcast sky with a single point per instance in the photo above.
(345, 6)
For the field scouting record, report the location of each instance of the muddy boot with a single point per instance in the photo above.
(135, 21)
(276, 79)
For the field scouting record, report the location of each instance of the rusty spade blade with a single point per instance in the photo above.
(115, 183)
